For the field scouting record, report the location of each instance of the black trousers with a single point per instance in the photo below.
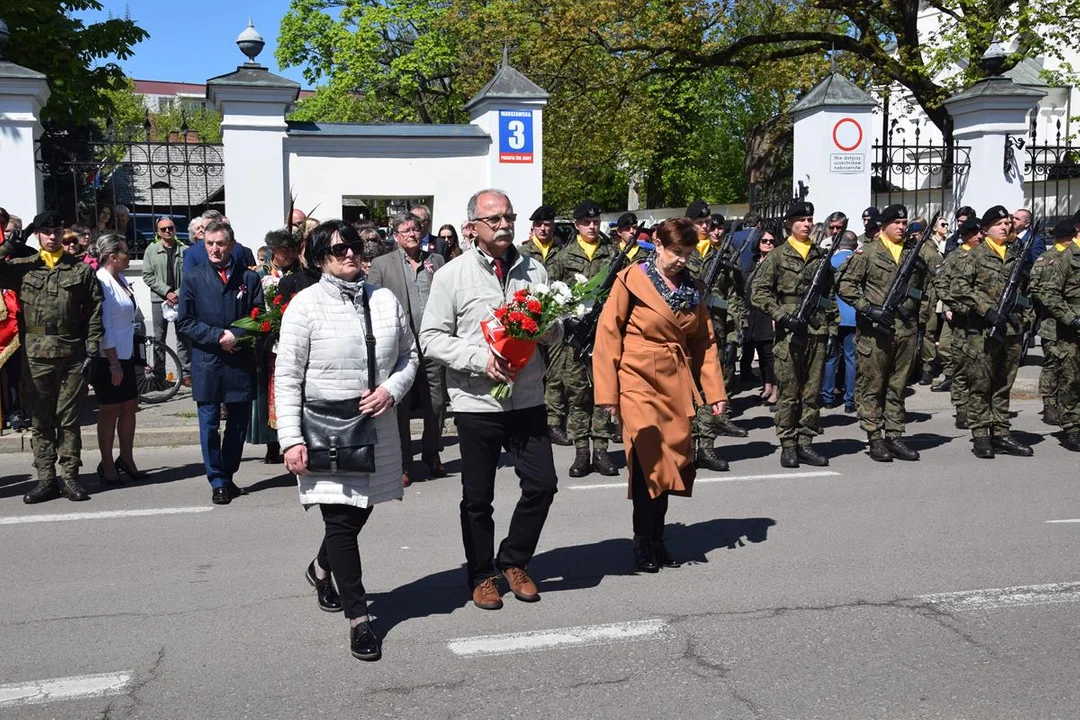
(765, 360)
(340, 554)
(483, 436)
(649, 512)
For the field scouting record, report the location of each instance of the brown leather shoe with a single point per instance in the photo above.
(435, 467)
(405, 481)
(521, 585)
(486, 595)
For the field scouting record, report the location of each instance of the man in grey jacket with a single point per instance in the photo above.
(464, 293)
(163, 265)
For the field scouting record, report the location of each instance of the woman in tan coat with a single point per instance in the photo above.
(654, 360)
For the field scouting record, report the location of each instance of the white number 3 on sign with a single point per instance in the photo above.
(516, 141)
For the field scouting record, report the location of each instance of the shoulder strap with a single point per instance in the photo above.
(369, 337)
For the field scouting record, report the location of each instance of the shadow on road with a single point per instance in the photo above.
(158, 476)
(927, 441)
(745, 450)
(834, 421)
(14, 485)
(838, 448)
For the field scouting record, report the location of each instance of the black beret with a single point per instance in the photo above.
(47, 219)
(871, 212)
(799, 209)
(991, 216)
(718, 219)
(969, 226)
(698, 209)
(1065, 228)
(587, 209)
(542, 213)
(893, 212)
(626, 220)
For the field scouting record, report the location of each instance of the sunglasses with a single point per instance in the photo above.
(70, 241)
(341, 250)
(766, 241)
(170, 228)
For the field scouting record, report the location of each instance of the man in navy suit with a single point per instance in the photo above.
(196, 254)
(213, 296)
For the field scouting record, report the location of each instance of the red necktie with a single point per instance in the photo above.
(499, 271)
(224, 277)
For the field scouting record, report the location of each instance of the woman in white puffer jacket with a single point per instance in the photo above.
(322, 354)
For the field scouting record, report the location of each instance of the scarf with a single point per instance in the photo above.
(349, 291)
(51, 258)
(801, 246)
(685, 296)
(999, 249)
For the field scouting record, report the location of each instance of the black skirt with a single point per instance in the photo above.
(106, 392)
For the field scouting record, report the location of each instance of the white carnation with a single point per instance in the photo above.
(559, 287)
(581, 310)
(540, 289)
(580, 279)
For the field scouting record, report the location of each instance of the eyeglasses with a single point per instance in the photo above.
(70, 241)
(836, 227)
(766, 241)
(409, 231)
(167, 228)
(493, 221)
(341, 250)
(446, 237)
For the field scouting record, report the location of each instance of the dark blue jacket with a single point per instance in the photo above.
(196, 255)
(207, 308)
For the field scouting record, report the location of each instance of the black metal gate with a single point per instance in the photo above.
(1051, 177)
(922, 176)
(771, 202)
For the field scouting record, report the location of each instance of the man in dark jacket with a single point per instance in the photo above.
(213, 296)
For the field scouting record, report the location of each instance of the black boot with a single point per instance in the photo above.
(789, 457)
(943, 386)
(581, 466)
(726, 427)
(707, 459)
(1011, 446)
(645, 555)
(810, 456)
(43, 491)
(962, 420)
(558, 436)
(663, 557)
(983, 448)
(1072, 441)
(72, 490)
(927, 377)
(602, 464)
(1051, 414)
(879, 452)
(899, 449)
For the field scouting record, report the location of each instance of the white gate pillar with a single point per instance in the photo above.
(23, 92)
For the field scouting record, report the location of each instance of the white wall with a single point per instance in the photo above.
(21, 188)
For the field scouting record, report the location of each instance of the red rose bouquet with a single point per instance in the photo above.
(265, 321)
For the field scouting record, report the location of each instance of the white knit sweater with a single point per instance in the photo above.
(322, 350)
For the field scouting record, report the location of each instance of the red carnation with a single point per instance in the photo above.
(517, 316)
(277, 300)
(529, 325)
(534, 306)
(500, 313)
(521, 295)
(254, 313)
(265, 326)
(284, 308)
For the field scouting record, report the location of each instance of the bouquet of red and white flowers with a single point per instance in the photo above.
(268, 321)
(514, 328)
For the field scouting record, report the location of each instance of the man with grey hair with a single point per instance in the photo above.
(408, 273)
(163, 264)
(124, 227)
(196, 254)
(428, 242)
(463, 294)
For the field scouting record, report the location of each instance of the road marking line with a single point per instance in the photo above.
(21, 519)
(37, 692)
(1073, 520)
(730, 478)
(548, 639)
(1020, 596)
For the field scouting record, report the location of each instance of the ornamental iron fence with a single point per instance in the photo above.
(923, 176)
(1051, 175)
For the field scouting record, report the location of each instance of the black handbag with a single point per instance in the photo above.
(338, 438)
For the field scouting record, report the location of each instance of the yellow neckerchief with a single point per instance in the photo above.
(1076, 241)
(1060, 247)
(703, 245)
(999, 249)
(894, 248)
(51, 258)
(633, 250)
(587, 247)
(801, 246)
(544, 248)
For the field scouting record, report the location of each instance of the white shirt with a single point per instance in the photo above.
(117, 314)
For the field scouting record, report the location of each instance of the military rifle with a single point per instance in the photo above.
(581, 332)
(1010, 297)
(900, 288)
(812, 300)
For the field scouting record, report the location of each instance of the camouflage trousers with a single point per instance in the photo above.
(53, 392)
(1067, 357)
(705, 425)
(945, 348)
(799, 365)
(991, 369)
(958, 391)
(568, 387)
(929, 351)
(882, 366)
(1050, 372)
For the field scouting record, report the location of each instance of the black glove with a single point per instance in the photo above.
(992, 318)
(832, 347)
(87, 364)
(1075, 324)
(730, 351)
(905, 313)
(881, 316)
(793, 324)
(1014, 321)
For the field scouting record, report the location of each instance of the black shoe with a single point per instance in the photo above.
(105, 481)
(617, 437)
(927, 377)
(830, 404)
(809, 456)
(581, 465)
(943, 386)
(900, 450)
(962, 420)
(72, 490)
(663, 557)
(789, 457)
(45, 490)
(645, 556)
(730, 429)
(1072, 441)
(983, 448)
(1011, 446)
(364, 643)
(879, 452)
(1051, 414)
(707, 459)
(327, 596)
(602, 463)
(123, 467)
(849, 408)
(19, 421)
(558, 436)
(235, 490)
(221, 496)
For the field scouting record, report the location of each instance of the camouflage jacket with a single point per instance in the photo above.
(529, 249)
(61, 307)
(865, 278)
(571, 260)
(781, 282)
(1047, 329)
(1058, 291)
(977, 283)
(724, 299)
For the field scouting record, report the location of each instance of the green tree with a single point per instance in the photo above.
(128, 117)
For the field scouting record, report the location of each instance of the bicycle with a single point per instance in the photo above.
(156, 387)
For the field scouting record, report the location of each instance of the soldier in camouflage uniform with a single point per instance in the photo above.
(61, 328)
(930, 320)
(1052, 361)
(955, 331)
(885, 345)
(976, 286)
(726, 309)
(585, 255)
(800, 347)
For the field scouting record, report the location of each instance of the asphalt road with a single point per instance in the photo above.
(805, 595)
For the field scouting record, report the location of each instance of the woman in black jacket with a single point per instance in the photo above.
(760, 326)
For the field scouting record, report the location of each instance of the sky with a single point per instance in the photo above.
(198, 42)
